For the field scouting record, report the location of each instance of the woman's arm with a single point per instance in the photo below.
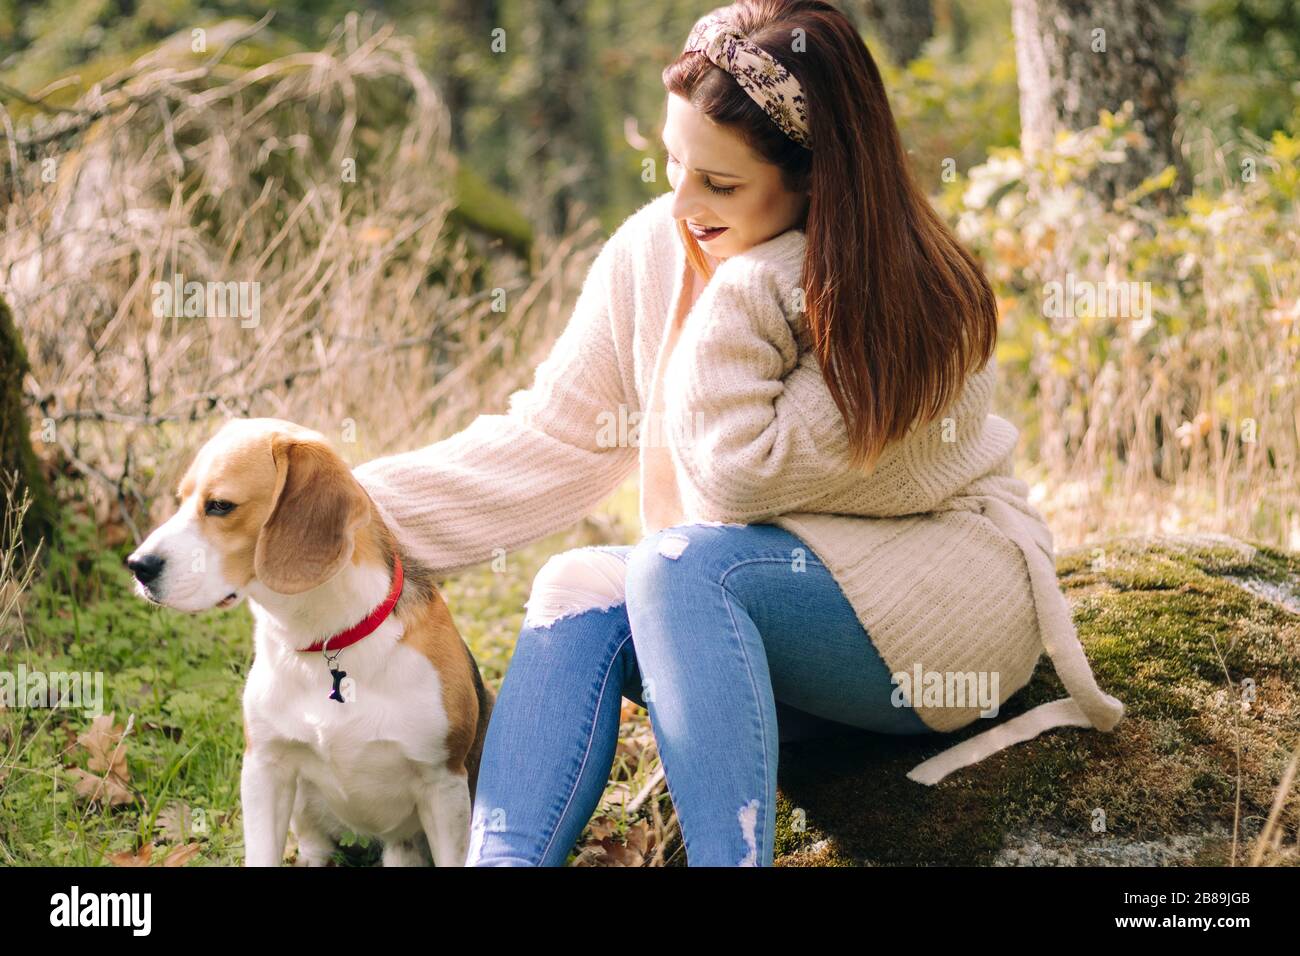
(508, 480)
(752, 427)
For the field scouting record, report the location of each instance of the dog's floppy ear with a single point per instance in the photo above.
(316, 510)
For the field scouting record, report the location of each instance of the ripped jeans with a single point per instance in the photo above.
(723, 632)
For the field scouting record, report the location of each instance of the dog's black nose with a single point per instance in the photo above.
(145, 567)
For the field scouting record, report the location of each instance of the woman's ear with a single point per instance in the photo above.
(316, 511)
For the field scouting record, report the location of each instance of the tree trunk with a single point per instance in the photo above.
(902, 25)
(1077, 57)
(17, 458)
(571, 161)
(469, 28)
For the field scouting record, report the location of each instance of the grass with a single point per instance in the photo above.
(179, 678)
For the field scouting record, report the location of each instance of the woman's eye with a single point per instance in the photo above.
(719, 190)
(217, 506)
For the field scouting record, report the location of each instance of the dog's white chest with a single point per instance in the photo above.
(366, 758)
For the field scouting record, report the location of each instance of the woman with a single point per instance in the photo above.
(834, 535)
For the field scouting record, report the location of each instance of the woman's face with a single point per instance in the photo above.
(703, 157)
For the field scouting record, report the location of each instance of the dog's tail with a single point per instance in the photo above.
(486, 699)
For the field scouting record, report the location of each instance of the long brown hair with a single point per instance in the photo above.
(900, 312)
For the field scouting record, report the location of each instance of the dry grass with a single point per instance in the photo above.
(1176, 409)
(190, 164)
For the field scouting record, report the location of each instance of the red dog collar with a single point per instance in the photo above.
(376, 617)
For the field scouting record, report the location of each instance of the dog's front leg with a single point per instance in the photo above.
(444, 810)
(266, 791)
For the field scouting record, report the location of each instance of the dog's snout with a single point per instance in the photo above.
(145, 567)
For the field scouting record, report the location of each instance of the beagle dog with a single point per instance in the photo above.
(363, 709)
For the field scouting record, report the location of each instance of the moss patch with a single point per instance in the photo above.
(1207, 669)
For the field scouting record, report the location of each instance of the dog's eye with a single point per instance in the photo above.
(216, 506)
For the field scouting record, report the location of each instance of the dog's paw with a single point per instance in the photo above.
(404, 854)
(313, 852)
(314, 859)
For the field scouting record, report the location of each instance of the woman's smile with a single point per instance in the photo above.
(705, 233)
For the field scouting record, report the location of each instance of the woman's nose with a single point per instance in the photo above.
(685, 201)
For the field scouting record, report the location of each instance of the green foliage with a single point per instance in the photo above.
(1219, 338)
(958, 100)
(482, 205)
(1245, 65)
(1219, 346)
(179, 675)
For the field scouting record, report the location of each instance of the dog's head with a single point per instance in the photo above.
(264, 501)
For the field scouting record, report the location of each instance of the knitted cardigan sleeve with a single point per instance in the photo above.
(510, 479)
(750, 423)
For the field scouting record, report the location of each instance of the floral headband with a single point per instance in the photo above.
(767, 82)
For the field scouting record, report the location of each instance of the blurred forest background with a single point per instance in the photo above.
(418, 188)
(493, 144)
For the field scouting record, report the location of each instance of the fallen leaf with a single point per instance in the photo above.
(101, 789)
(140, 857)
(106, 744)
(174, 822)
(616, 854)
(180, 855)
(605, 849)
(617, 795)
(638, 837)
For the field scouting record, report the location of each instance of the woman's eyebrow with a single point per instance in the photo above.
(711, 172)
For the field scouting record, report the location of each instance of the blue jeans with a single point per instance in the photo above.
(744, 629)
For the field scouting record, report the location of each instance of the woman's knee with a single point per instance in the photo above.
(572, 582)
(662, 562)
(673, 559)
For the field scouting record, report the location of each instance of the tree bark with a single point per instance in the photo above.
(903, 25)
(571, 162)
(17, 458)
(1077, 57)
(469, 25)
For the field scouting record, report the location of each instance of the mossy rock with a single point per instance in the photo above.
(482, 207)
(1182, 629)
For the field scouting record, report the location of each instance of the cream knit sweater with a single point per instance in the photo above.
(725, 411)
